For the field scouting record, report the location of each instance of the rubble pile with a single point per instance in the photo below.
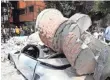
(14, 44)
(8, 72)
(17, 40)
(34, 39)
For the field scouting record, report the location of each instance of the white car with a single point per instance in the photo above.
(37, 63)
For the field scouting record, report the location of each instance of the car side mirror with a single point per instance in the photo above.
(17, 52)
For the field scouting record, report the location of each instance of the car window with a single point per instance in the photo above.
(31, 50)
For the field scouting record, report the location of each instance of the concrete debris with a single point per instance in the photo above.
(62, 34)
(48, 22)
(85, 62)
(34, 39)
(102, 70)
(8, 72)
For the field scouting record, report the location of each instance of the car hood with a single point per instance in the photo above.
(47, 73)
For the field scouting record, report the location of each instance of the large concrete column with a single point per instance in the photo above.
(67, 36)
(48, 22)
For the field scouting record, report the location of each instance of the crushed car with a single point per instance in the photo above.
(39, 63)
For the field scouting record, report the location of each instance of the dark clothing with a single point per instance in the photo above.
(4, 38)
(4, 35)
(107, 41)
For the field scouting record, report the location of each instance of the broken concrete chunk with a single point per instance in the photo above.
(48, 22)
(85, 63)
(106, 70)
(82, 20)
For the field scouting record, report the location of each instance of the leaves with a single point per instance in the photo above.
(68, 8)
(102, 6)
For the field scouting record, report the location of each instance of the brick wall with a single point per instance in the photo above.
(30, 16)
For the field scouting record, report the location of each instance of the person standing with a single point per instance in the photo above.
(21, 32)
(17, 31)
(4, 34)
(11, 32)
(107, 34)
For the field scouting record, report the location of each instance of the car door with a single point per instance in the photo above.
(27, 63)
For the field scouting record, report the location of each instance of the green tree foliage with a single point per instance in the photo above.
(102, 6)
(68, 8)
(95, 9)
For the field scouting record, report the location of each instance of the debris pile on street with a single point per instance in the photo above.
(12, 45)
(34, 39)
(8, 72)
